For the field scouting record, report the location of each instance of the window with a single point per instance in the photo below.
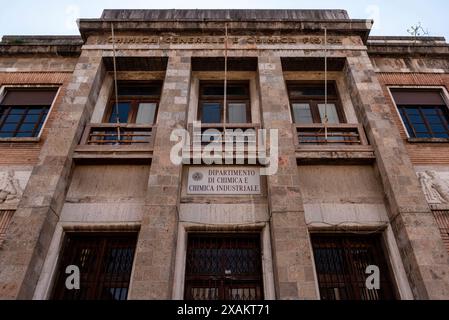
(424, 112)
(223, 267)
(5, 219)
(23, 112)
(105, 261)
(137, 103)
(308, 103)
(212, 100)
(341, 262)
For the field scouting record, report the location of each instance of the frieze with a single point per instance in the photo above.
(208, 40)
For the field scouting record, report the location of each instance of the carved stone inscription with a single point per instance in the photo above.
(244, 40)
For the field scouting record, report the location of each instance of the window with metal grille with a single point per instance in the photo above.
(442, 218)
(424, 112)
(23, 112)
(341, 262)
(223, 267)
(5, 219)
(105, 261)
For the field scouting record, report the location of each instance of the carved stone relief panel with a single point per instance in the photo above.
(12, 184)
(435, 185)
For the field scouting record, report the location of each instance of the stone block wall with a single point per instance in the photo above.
(25, 249)
(410, 216)
(294, 275)
(155, 255)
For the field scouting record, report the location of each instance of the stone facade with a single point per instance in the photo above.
(60, 183)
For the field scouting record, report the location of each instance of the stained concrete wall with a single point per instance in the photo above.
(410, 64)
(112, 183)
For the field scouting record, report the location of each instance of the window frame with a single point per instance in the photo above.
(220, 99)
(34, 132)
(444, 95)
(3, 91)
(134, 100)
(426, 122)
(314, 101)
(345, 242)
(130, 238)
(223, 280)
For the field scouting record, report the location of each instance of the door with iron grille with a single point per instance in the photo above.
(341, 262)
(223, 267)
(105, 261)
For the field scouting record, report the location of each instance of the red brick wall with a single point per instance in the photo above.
(421, 153)
(14, 153)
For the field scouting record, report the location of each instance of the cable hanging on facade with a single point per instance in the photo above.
(326, 118)
(225, 91)
(114, 60)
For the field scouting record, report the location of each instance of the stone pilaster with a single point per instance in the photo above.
(155, 254)
(290, 239)
(424, 256)
(33, 225)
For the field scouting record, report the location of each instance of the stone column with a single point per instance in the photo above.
(33, 224)
(290, 239)
(423, 254)
(155, 255)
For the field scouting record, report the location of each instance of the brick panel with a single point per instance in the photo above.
(420, 153)
(28, 153)
(34, 77)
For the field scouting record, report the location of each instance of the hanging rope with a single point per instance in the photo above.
(114, 60)
(225, 91)
(326, 118)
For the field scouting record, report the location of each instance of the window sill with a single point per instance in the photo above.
(20, 140)
(428, 140)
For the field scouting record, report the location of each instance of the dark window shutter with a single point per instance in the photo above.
(16, 97)
(418, 97)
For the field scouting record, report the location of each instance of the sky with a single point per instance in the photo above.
(58, 17)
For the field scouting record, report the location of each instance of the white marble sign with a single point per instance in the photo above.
(223, 181)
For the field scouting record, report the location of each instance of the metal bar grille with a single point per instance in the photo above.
(117, 134)
(336, 134)
(244, 134)
(5, 219)
(442, 218)
(341, 262)
(105, 262)
(224, 267)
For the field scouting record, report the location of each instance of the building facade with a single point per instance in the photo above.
(348, 181)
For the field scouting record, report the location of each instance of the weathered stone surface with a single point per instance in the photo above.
(44, 196)
(153, 274)
(410, 214)
(287, 211)
(152, 196)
